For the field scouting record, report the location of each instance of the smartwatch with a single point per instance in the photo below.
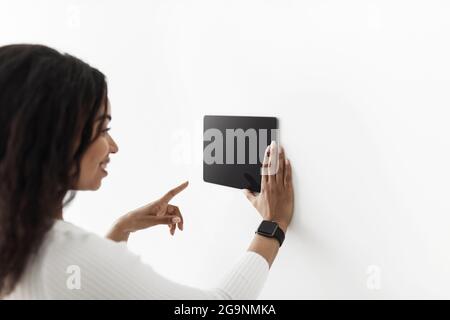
(271, 229)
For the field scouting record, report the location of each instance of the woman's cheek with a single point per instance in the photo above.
(101, 149)
(96, 155)
(105, 148)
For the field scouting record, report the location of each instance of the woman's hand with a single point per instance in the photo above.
(152, 214)
(276, 200)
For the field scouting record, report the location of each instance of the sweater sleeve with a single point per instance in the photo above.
(108, 270)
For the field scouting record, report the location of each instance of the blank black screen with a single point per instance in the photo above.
(247, 175)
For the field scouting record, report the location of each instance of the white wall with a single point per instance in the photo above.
(362, 92)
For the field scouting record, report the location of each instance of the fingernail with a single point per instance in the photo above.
(176, 220)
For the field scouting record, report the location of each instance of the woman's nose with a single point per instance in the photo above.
(114, 147)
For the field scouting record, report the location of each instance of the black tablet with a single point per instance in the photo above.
(233, 149)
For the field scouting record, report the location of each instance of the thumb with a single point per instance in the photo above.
(166, 219)
(250, 195)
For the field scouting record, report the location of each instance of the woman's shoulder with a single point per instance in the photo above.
(69, 251)
(64, 230)
(66, 237)
(68, 257)
(67, 244)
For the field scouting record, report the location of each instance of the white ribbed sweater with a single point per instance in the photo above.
(71, 257)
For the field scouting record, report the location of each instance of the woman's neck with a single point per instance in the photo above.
(59, 216)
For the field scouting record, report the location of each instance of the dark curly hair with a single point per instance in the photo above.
(48, 105)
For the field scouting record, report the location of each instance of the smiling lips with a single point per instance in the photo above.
(104, 164)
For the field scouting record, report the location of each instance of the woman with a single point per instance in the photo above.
(54, 139)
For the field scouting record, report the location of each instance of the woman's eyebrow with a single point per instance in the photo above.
(104, 116)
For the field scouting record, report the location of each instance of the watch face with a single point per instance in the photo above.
(268, 227)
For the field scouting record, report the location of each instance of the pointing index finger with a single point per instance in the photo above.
(172, 193)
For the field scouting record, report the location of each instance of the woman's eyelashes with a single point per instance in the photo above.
(106, 130)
